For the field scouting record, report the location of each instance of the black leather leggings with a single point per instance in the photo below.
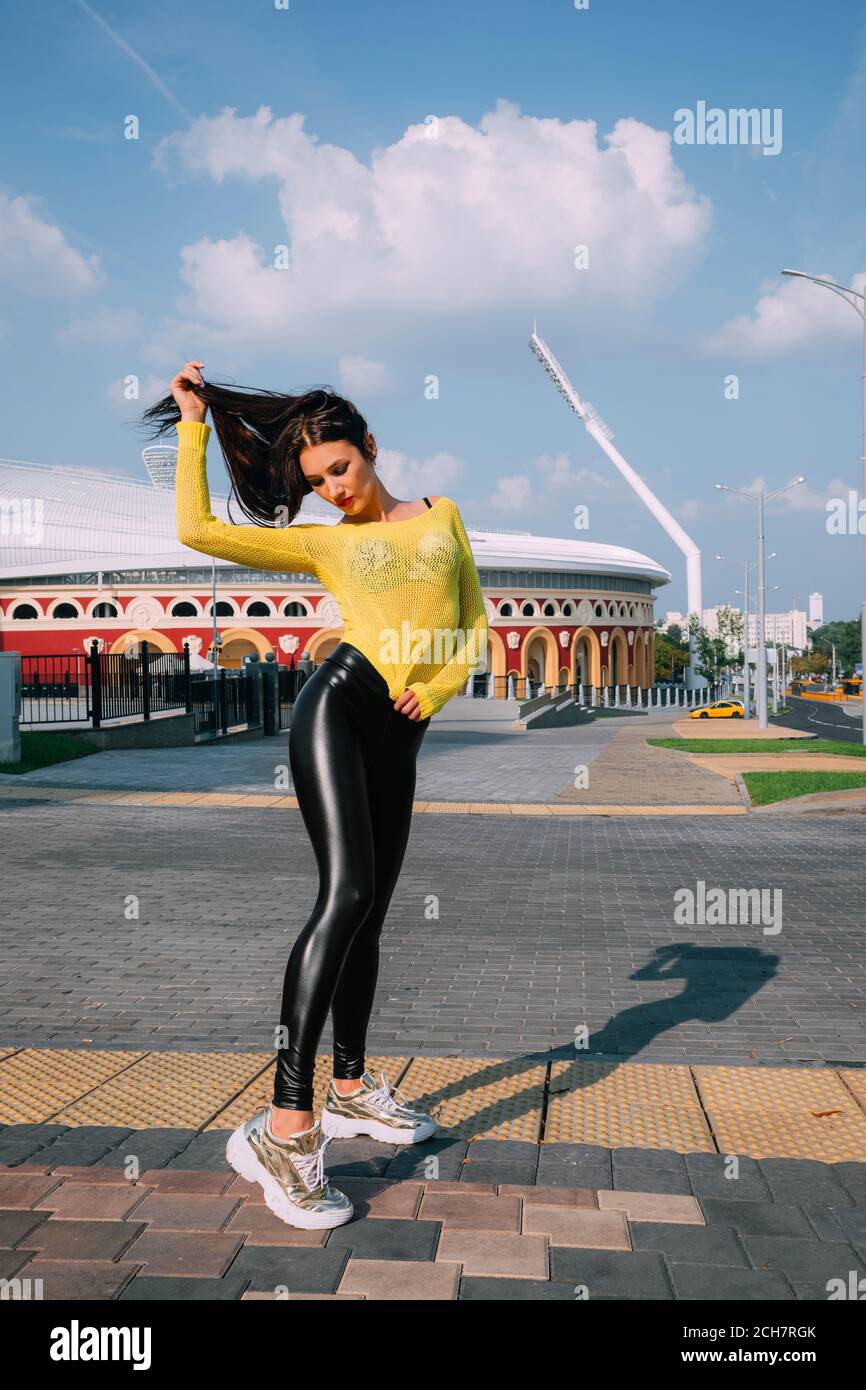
(353, 763)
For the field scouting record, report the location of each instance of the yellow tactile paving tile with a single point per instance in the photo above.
(856, 1082)
(783, 1113)
(221, 798)
(625, 1105)
(38, 1082)
(831, 1140)
(478, 1097)
(168, 1089)
(260, 1091)
(175, 798)
(757, 1112)
(274, 801)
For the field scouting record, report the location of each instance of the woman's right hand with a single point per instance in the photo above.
(190, 404)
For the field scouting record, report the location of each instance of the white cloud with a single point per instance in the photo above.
(543, 493)
(362, 377)
(474, 219)
(511, 495)
(799, 499)
(35, 255)
(791, 315)
(409, 478)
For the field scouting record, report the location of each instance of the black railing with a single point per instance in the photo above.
(55, 689)
(231, 700)
(137, 682)
(289, 685)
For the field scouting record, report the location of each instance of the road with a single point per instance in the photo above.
(824, 720)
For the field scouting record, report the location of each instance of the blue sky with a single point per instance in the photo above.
(431, 170)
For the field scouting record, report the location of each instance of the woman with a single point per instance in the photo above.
(415, 628)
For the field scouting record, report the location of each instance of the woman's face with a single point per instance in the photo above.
(338, 473)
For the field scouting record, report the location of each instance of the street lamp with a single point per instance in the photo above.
(833, 645)
(761, 679)
(851, 297)
(747, 709)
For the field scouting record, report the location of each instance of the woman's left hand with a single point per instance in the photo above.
(408, 704)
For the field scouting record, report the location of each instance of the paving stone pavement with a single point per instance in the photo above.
(628, 772)
(160, 927)
(481, 760)
(499, 1221)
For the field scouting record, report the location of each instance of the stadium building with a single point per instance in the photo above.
(84, 555)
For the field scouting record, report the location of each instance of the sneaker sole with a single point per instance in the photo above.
(243, 1159)
(341, 1127)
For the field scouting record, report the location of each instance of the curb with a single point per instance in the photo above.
(744, 793)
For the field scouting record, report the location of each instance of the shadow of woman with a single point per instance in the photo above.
(719, 981)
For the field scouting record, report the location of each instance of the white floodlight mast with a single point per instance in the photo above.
(602, 436)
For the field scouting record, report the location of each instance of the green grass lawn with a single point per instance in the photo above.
(761, 745)
(42, 750)
(765, 787)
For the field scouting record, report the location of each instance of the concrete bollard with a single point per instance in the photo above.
(10, 707)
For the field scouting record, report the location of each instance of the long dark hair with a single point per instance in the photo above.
(262, 435)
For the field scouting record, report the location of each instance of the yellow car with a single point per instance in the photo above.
(719, 709)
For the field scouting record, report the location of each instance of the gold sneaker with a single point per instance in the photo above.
(291, 1173)
(374, 1111)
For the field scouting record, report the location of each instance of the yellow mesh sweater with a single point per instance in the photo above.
(408, 590)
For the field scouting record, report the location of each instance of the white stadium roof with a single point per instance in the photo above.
(56, 520)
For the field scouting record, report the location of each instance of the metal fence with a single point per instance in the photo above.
(229, 701)
(55, 689)
(289, 684)
(90, 688)
(137, 682)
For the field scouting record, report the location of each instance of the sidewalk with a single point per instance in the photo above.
(481, 1211)
(483, 768)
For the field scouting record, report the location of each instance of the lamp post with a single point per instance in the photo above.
(761, 678)
(747, 709)
(832, 645)
(851, 297)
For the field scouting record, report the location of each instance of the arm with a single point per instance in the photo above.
(259, 547)
(471, 641)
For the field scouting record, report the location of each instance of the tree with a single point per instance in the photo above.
(846, 636)
(670, 658)
(717, 652)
